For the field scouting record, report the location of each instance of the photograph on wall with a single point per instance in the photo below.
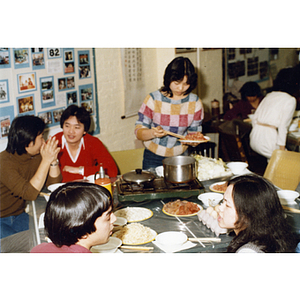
(69, 68)
(84, 64)
(4, 91)
(54, 52)
(89, 106)
(62, 84)
(46, 117)
(5, 58)
(26, 105)
(21, 58)
(5, 125)
(6, 117)
(38, 61)
(47, 91)
(69, 64)
(57, 115)
(70, 82)
(86, 92)
(72, 98)
(26, 82)
(68, 55)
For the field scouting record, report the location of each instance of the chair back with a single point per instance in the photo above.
(283, 169)
(128, 160)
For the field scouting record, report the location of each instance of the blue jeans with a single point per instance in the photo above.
(152, 160)
(13, 224)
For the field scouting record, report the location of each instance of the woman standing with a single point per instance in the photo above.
(252, 209)
(173, 108)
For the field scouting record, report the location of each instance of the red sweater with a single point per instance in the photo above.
(90, 157)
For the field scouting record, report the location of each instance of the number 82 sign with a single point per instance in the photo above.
(54, 52)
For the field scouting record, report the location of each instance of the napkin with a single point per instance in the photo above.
(171, 249)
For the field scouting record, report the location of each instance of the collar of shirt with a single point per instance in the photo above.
(64, 143)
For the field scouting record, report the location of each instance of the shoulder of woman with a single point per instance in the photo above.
(249, 248)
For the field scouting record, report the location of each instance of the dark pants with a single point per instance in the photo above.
(13, 224)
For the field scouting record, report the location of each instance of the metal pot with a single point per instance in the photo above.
(179, 169)
(138, 176)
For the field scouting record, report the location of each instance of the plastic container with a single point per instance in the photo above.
(102, 180)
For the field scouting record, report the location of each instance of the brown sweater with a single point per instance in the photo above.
(15, 188)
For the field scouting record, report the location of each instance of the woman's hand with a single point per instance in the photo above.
(158, 132)
(49, 150)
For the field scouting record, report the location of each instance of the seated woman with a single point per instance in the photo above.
(251, 98)
(252, 209)
(81, 153)
(78, 216)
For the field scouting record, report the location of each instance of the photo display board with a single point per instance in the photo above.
(45, 81)
(247, 64)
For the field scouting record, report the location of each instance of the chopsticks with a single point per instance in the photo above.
(175, 134)
(44, 194)
(137, 248)
(217, 240)
(294, 210)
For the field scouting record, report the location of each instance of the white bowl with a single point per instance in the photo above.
(287, 196)
(54, 186)
(160, 171)
(210, 199)
(110, 247)
(237, 167)
(119, 223)
(171, 238)
(250, 116)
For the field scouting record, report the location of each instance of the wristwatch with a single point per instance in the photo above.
(55, 164)
(81, 171)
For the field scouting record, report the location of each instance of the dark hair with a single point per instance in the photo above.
(260, 216)
(287, 81)
(23, 131)
(72, 210)
(250, 89)
(176, 70)
(82, 115)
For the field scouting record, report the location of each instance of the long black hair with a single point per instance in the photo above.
(261, 219)
(23, 130)
(72, 210)
(175, 71)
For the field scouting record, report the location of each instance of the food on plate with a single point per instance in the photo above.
(181, 208)
(208, 168)
(135, 234)
(197, 136)
(219, 187)
(134, 214)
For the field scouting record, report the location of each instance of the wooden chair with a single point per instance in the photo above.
(283, 169)
(128, 160)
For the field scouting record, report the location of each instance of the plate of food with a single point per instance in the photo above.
(219, 187)
(135, 234)
(196, 137)
(134, 214)
(181, 208)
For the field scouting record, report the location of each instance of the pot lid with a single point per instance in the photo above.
(138, 176)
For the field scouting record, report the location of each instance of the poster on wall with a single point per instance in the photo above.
(247, 64)
(6, 117)
(46, 83)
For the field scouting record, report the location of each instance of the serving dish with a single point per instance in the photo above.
(134, 214)
(207, 139)
(190, 215)
(154, 234)
(213, 187)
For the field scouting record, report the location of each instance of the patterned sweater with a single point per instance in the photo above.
(178, 116)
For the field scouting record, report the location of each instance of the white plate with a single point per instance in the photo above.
(154, 234)
(212, 187)
(207, 139)
(190, 215)
(134, 214)
(54, 186)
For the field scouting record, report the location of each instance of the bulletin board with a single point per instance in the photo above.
(247, 64)
(45, 81)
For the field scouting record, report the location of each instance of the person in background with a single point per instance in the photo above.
(173, 108)
(81, 154)
(251, 208)
(251, 98)
(27, 164)
(78, 216)
(274, 115)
